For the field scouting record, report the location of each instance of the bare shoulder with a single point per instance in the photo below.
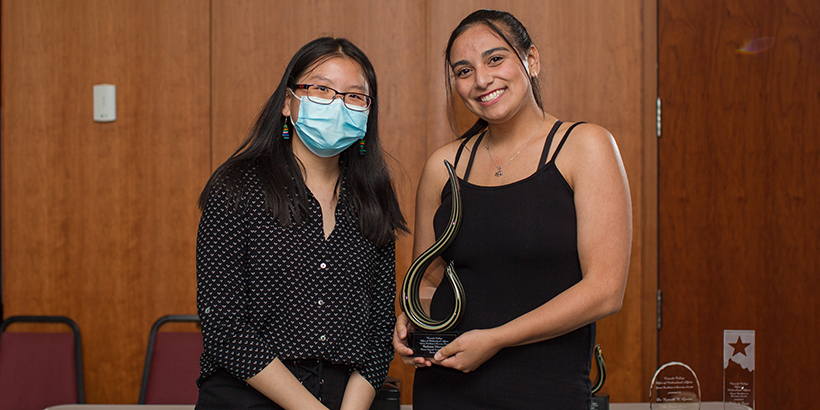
(589, 142)
(434, 169)
(589, 149)
(434, 177)
(592, 137)
(447, 151)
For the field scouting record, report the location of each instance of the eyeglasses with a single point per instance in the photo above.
(321, 94)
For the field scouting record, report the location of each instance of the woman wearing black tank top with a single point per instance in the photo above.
(544, 245)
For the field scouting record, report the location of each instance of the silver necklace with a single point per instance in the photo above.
(500, 173)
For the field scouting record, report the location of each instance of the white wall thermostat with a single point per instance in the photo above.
(105, 102)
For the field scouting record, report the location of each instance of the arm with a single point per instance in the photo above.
(221, 299)
(277, 383)
(591, 163)
(428, 199)
(359, 393)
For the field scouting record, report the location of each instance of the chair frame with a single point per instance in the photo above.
(150, 352)
(78, 351)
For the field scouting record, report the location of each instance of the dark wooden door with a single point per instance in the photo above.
(739, 232)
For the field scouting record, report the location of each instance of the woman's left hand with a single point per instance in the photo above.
(468, 351)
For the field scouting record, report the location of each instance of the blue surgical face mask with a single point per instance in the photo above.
(327, 130)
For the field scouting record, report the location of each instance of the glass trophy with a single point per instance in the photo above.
(431, 335)
(599, 402)
(738, 369)
(674, 387)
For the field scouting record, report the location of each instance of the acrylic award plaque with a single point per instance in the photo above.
(674, 387)
(430, 335)
(738, 369)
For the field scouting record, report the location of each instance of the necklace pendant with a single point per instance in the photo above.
(499, 173)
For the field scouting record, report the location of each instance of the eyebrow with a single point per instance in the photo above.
(360, 88)
(485, 54)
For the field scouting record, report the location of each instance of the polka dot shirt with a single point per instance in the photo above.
(266, 292)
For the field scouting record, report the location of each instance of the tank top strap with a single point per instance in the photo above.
(472, 154)
(563, 140)
(460, 149)
(548, 143)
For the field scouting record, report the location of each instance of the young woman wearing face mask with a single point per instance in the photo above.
(296, 246)
(544, 243)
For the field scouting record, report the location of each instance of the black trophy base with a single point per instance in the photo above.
(600, 402)
(426, 344)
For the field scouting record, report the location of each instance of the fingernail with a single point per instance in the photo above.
(438, 356)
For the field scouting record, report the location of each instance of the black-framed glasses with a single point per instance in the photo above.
(321, 94)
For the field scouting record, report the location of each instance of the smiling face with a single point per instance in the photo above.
(489, 76)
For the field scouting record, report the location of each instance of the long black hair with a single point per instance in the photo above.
(505, 25)
(368, 182)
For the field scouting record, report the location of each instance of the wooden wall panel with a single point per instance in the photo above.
(738, 193)
(99, 219)
(597, 65)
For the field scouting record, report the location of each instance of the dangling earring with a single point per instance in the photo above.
(361, 147)
(286, 131)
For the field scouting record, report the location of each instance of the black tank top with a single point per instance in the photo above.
(516, 249)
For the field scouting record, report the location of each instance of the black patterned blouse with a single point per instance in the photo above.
(264, 291)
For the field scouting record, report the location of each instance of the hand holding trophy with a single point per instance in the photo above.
(431, 335)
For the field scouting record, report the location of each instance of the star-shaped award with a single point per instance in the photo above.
(739, 347)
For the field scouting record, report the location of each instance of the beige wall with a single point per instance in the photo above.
(99, 219)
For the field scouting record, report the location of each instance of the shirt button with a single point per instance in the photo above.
(208, 310)
(322, 338)
(321, 302)
(322, 265)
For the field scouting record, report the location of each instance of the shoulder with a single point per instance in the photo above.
(587, 136)
(445, 152)
(586, 141)
(234, 172)
(434, 175)
(434, 166)
(234, 182)
(589, 149)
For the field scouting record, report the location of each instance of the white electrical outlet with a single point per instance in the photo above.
(105, 102)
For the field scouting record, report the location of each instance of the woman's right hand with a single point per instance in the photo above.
(403, 327)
